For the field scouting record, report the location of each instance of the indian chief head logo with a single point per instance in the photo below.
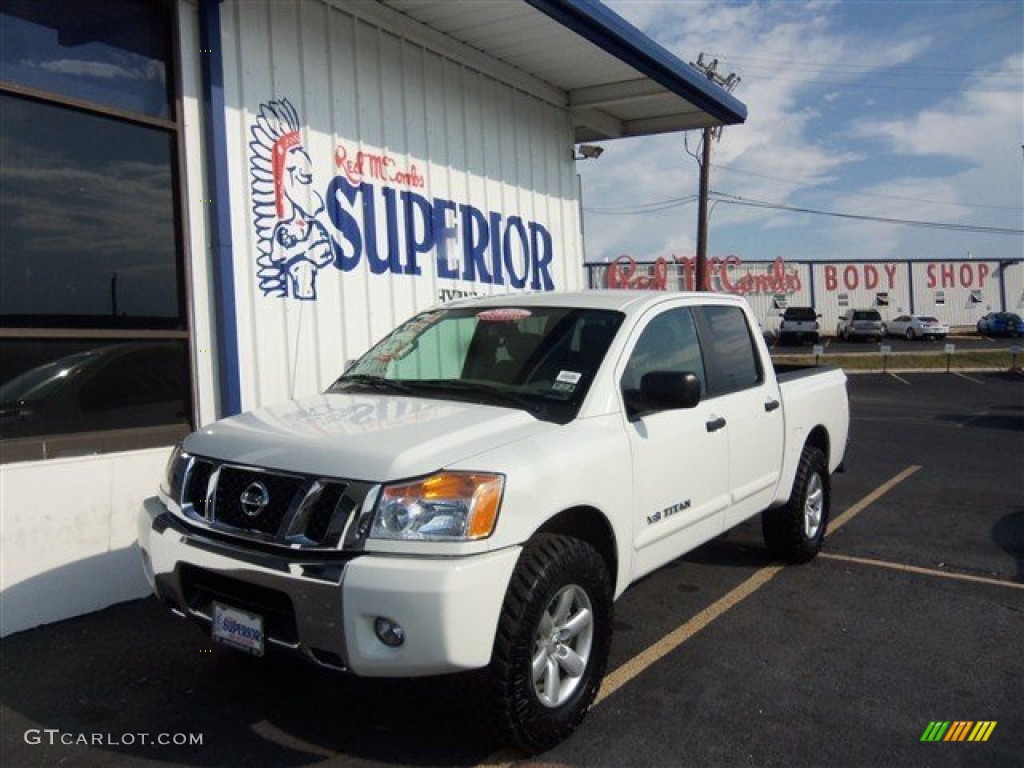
(293, 243)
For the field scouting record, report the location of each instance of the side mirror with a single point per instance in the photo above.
(666, 391)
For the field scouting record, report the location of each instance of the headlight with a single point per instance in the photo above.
(450, 506)
(174, 474)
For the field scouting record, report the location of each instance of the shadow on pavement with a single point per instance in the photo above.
(136, 669)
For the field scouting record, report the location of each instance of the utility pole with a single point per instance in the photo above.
(702, 211)
(709, 70)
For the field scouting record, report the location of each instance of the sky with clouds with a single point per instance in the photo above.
(908, 110)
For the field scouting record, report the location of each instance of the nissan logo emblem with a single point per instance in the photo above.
(254, 499)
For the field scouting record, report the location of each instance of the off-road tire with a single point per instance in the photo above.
(794, 532)
(549, 567)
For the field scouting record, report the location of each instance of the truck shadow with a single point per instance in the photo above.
(135, 669)
(1008, 534)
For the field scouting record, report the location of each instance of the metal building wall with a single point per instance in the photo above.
(958, 292)
(429, 128)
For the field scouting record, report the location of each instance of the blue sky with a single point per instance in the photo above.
(907, 110)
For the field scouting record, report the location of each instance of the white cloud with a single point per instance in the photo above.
(803, 72)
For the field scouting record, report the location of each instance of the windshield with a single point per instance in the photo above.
(868, 314)
(800, 313)
(540, 359)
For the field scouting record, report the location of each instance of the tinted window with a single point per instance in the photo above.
(94, 350)
(61, 387)
(110, 52)
(800, 313)
(89, 220)
(668, 343)
(869, 314)
(730, 351)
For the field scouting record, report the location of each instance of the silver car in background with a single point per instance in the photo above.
(916, 327)
(860, 324)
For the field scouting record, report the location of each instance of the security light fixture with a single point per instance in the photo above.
(588, 152)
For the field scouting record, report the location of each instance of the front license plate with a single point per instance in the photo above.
(237, 628)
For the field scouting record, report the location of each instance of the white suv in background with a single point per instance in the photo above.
(798, 324)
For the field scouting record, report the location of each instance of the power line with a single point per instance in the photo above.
(722, 197)
(641, 208)
(733, 169)
(987, 230)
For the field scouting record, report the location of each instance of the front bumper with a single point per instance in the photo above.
(324, 609)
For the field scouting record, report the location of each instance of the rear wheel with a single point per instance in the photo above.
(910, 334)
(795, 532)
(552, 645)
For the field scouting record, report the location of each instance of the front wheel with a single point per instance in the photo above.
(551, 649)
(794, 532)
(910, 334)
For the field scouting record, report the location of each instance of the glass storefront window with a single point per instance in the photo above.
(89, 234)
(109, 52)
(94, 332)
(61, 387)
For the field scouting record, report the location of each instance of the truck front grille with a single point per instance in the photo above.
(280, 490)
(297, 511)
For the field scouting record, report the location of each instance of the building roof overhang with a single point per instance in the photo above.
(615, 81)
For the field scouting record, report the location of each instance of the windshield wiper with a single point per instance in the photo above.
(486, 391)
(371, 382)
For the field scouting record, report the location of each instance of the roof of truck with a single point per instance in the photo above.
(621, 300)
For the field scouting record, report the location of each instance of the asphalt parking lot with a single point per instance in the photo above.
(913, 613)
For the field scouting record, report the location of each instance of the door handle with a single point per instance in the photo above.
(771, 405)
(715, 424)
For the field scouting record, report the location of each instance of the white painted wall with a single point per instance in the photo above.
(967, 289)
(68, 529)
(448, 131)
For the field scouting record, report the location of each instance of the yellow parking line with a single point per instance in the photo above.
(680, 635)
(628, 671)
(871, 498)
(922, 571)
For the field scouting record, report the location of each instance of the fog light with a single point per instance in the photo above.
(389, 632)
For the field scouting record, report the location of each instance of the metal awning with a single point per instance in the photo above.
(616, 81)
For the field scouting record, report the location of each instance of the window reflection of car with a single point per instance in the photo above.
(916, 327)
(117, 386)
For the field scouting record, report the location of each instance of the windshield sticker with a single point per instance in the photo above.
(569, 377)
(508, 315)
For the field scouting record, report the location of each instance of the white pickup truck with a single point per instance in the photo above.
(477, 490)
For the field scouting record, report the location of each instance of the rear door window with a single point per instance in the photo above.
(730, 353)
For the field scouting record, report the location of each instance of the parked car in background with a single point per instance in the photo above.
(798, 324)
(860, 324)
(1001, 324)
(916, 327)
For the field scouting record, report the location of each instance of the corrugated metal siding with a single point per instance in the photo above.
(358, 87)
(966, 289)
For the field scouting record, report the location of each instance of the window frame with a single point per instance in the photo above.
(79, 443)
